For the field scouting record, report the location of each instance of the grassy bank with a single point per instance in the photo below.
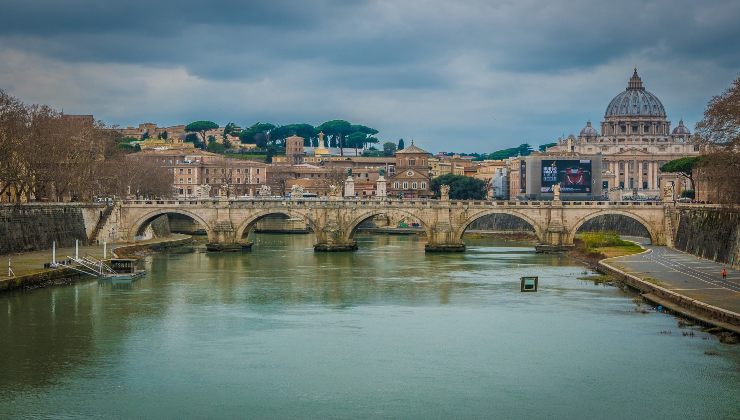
(605, 245)
(591, 247)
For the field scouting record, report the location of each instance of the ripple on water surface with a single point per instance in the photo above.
(387, 331)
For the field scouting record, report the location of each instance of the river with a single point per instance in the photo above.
(387, 331)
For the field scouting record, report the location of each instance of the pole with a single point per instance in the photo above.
(54, 252)
(105, 250)
(10, 269)
(77, 249)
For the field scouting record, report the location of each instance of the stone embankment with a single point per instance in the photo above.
(711, 233)
(31, 227)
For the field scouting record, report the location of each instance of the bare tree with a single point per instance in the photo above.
(719, 131)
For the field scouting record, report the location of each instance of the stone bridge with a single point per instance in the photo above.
(334, 221)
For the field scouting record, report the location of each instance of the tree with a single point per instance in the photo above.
(201, 127)
(718, 171)
(193, 138)
(145, 136)
(545, 146)
(389, 148)
(721, 123)
(525, 149)
(337, 130)
(400, 144)
(461, 187)
(258, 133)
(683, 166)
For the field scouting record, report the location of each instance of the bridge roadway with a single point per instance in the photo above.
(334, 221)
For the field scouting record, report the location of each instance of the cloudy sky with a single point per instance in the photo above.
(453, 75)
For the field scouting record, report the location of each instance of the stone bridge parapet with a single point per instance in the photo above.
(334, 221)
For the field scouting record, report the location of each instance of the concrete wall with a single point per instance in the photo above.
(624, 225)
(501, 223)
(31, 227)
(712, 233)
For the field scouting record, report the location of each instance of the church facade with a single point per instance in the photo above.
(635, 141)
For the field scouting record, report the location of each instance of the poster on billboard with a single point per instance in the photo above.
(574, 176)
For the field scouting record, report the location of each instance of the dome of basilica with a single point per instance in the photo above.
(681, 129)
(588, 131)
(635, 101)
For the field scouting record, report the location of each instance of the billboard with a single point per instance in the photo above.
(574, 176)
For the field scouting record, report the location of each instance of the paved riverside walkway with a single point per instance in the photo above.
(33, 262)
(685, 274)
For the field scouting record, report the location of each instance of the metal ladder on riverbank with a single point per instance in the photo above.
(85, 265)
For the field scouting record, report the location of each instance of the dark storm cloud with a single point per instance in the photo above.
(503, 68)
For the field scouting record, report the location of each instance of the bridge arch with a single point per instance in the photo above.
(606, 212)
(142, 222)
(247, 224)
(539, 231)
(356, 221)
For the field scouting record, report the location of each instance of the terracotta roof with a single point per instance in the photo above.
(411, 149)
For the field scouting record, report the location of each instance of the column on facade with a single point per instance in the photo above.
(639, 174)
(626, 178)
(651, 175)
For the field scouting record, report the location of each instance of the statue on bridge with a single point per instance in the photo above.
(296, 191)
(335, 191)
(265, 191)
(556, 192)
(444, 192)
(668, 192)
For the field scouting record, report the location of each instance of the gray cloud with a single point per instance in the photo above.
(493, 74)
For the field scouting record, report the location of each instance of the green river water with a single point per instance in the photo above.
(384, 332)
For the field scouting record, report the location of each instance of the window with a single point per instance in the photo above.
(238, 170)
(181, 171)
(696, 147)
(238, 180)
(181, 191)
(412, 162)
(605, 185)
(190, 191)
(190, 180)
(423, 185)
(258, 171)
(190, 171)
(396, 185)
(405, 185)
(207, 180)
(415, 185)
(181, 181)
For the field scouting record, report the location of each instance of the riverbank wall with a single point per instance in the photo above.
(711, 233)
(64, 276)
(690, 308)
(46, 278)
(32, 227)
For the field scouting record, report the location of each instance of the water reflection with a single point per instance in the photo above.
(384, 331)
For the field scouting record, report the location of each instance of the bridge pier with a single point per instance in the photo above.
(332, 238)
(223, 239)
(443, 239)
